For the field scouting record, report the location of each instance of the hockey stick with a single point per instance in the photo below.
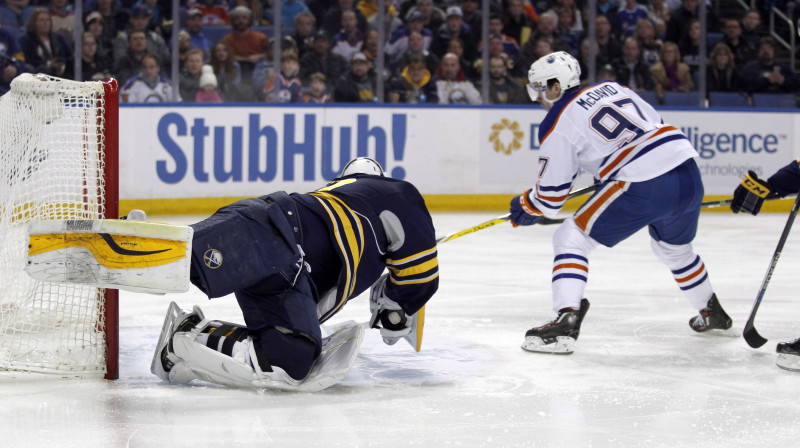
(506, 217)
(707, 204)
(750, 333)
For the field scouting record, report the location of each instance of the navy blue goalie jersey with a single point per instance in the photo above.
(376, 223)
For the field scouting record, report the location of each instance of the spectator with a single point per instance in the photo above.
(14, 14)
(156, 15)
(12, 59)
(628, 16)
(649, 45)
(751, 28)
(566, 28)
(322, 60)
(193, 24)
(457, 48)
(721, 75)
(246, 44)
(577, 17)
(607, 45)
(503, 89)
(432, 16)
(416, 50)
(214, 13)
(496, 48)
(391, 21)
(129, 65)
(398, 42)
(332, 20)
(516, 24)
(452, 87)
(680, 20)
(148, 86)
(260, 17)
(510, 45)
(284, 87)
(208, 92)
(766, 75)
(63, 18)
(357, 85)
(139, 20)
(670, 74)
(318, 90)
(453, 27)
(304, 23)
(115, 19)
(545, 29)
(46, 51)
(660, 14)
(743, 51)
(349, 39)
(264, 68)
(630, 70)
(369, 8)
(93, 66)
(290, 9)
(689, 46)
(607, 9)
(229, 75)
(94, 24)
(184, 45)
(414, 85)
(472, 16)
(189, 78)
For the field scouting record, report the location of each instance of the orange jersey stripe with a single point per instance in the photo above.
(582, 220)
(625, 153)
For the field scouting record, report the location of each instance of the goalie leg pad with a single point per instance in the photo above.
(108, 253)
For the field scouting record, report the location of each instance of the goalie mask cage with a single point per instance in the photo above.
(58, 140)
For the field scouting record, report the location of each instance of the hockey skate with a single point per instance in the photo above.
(558, 336)
(789, 355)
(712, 317)
(177, 320)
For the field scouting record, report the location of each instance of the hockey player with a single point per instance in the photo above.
(748, 198)
(646, 177)
(293, 261)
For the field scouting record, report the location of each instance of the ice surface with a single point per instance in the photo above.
(639, 376)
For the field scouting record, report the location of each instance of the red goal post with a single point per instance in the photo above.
(58, 160)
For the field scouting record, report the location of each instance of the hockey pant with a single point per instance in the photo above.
(668, 205)
(248, 249)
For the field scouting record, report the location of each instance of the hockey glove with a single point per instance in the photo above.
(750, 194)
(523, 213)
(387, 315)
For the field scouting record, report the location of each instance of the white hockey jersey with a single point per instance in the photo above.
(608, 131)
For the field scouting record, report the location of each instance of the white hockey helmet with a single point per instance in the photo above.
(363, 165)
(560, 66)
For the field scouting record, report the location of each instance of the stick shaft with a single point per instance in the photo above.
(750, 334)
(504, 218)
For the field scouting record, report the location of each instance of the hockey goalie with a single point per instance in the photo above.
(291, 260)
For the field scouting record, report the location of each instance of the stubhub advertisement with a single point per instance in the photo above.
(176, 151)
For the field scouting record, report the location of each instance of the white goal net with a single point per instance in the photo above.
(53, 143)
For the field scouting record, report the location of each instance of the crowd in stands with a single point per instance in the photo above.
(433, 49)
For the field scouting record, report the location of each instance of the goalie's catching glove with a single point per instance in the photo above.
(749, 196)
(387, 315)
(523, 213)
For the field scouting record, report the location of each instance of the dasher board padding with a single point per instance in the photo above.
(111, 253)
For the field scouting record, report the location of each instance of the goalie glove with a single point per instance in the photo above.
(749, 196)
(523, 213)
(387, 314)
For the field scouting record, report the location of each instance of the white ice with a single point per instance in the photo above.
(639, 377)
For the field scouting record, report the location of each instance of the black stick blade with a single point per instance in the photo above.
(752, 337)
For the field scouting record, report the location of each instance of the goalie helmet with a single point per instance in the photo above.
(363, 165)
(560, 66)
